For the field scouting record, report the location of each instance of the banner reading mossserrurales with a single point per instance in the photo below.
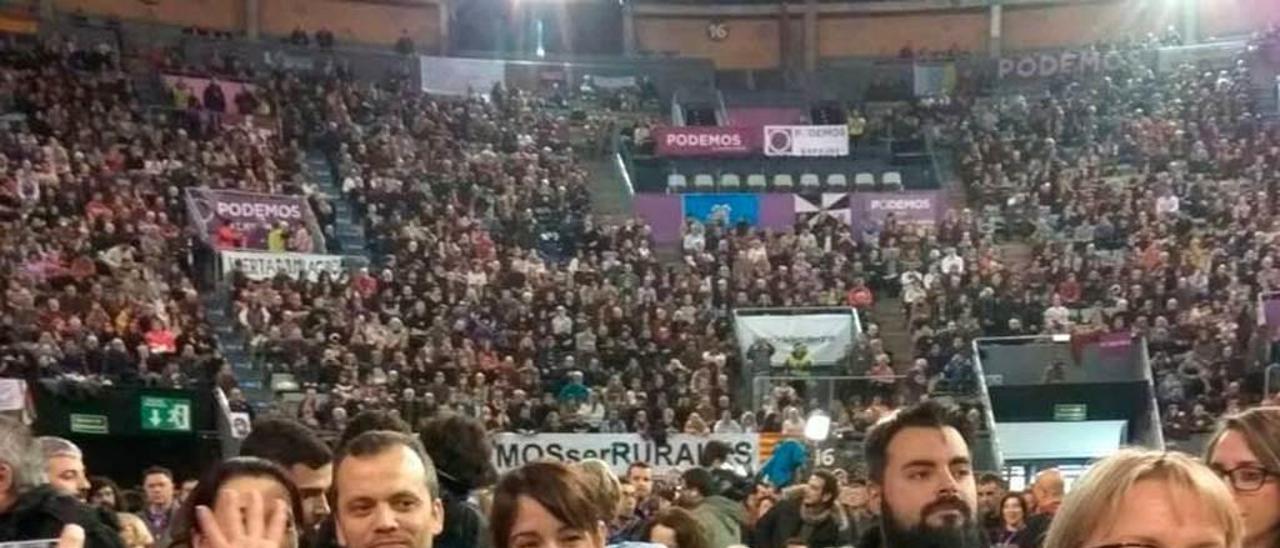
(619, 450)
(258, 265)
(251, 213)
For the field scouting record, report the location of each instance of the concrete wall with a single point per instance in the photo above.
(886, 34)
(1231, 17)
(359, 21)
(752, 42)
(1041, 27)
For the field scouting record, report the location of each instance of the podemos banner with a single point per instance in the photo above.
(827, 337)
(870, 209)
(806, 141)
(619, 450)
(706, 140)
(258, 265)
(252, 214)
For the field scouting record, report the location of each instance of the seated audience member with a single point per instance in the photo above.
(1246, 454)
(1147, 498)
(546, 504)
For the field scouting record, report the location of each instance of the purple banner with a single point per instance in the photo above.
(1270, 315)
(777, 211)
(663, 212)
(706, 140)
(252, 215)
(870, 209)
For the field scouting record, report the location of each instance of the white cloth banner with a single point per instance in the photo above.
(828, 337)
(613, 82)
(806, 141)
(264, 266)
(459, 76)
(13, 394)
(619, 450)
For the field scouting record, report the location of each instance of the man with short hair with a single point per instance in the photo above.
(161, 507)
(386, 492)
(814, 517)
(302, 454)
(64, 465)
(922, 471)
(30, 509)
(990, 490)
(640, 475)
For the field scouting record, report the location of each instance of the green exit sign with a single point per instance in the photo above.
(1070, 412)
(166, 414)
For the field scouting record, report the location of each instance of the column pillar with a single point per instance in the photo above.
(628, 29)
(811, 37)
(996, 35)
(253, 19)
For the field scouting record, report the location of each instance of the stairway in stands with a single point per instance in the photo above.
(348, 227)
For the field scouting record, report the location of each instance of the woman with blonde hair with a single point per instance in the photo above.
(1147, 499)
(1246, 454)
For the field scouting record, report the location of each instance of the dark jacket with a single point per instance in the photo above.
(42, 512)
(464, 525)
(784, 522)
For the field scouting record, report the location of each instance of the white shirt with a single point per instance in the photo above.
(952, 264)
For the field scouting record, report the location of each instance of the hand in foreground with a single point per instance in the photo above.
(72, 536)
(242, 520)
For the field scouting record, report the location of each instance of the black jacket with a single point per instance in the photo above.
(784, 522)
(465, 525)
(42, 512)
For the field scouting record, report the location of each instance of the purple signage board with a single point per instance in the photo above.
(870, 209)
(251, 213)
(664, 213)
(707, 140)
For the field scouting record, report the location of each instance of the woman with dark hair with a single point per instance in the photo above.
(104, 493)
(677, 528)
(245, 476)
(543, 504)
(1012, 532)
(461, 451)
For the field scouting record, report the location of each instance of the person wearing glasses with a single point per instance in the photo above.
(1147, 499)
(1246, 453)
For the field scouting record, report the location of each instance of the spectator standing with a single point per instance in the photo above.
(33, 510)
(305, 458)
(161, 507)
(1245, 452)
(64, 466)
(460, 449)
(720, 517)
(386, 491)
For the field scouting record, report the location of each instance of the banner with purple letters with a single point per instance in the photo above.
(251, 213)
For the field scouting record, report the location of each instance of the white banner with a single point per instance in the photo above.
(264, 266)
(806, 141)
(458, 76)
(828, 337)
(619, 450)
(613, 82)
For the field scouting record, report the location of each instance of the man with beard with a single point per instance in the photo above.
(814, 517)
(922, 471)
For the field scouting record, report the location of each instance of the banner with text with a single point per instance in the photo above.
(252, 214)
(460, 76)
(258, 265)
(806, 141)
(827, 337)
(706, 140)
(680, 452)
(870, 209)
(1030, 66)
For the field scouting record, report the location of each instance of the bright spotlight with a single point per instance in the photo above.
(818, 427)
